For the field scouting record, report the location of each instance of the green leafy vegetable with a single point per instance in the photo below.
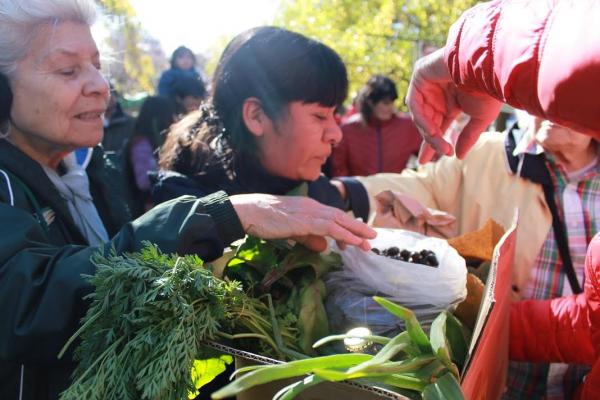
(149, 315)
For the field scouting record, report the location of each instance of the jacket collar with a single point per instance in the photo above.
(530, 165)
(33, 176)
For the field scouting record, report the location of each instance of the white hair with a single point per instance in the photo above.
(21, 19)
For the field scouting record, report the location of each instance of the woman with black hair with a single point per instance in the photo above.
(183, 65)
(268, 126)
(376, 139)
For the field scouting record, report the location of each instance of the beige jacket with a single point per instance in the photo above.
(475, 189)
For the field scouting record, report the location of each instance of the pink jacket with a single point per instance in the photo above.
(542, 56)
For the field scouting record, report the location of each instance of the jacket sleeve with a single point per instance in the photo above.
(564, 329)
(165, 83)
(431, 184)
(541, 56)
(42, 288)
(142, 161)
(554, 330)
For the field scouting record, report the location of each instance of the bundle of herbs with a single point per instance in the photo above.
(142, 337)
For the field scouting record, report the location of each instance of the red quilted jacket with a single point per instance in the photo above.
(542, 56)
(565, 329)
(369, 149)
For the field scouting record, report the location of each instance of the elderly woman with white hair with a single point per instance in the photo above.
(55, 213)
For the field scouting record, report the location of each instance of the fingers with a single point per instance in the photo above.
(468, 137)
(355, 226)
(432, 146)
(313, 242)
(426, 153)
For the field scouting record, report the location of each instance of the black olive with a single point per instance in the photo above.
(375, 250)
(393, 251)
(432, 260)
(405, 254)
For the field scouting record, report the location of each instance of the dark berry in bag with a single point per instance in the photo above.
(423, 257)
(393, 251)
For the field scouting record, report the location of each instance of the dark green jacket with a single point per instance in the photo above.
(41, 288)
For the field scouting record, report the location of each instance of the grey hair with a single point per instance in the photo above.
(21, 19)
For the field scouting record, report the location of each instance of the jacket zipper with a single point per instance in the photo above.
(21, 382)
(379, 150)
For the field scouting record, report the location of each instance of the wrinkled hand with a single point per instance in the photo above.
(301, 218)
(435, 101)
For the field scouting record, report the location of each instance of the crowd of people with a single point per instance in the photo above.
(264, 152)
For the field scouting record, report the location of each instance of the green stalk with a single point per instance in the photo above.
(291, 391)
(331, 338)
(413, 327)
(292, 369)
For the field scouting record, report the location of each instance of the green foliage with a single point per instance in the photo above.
(144, 329)
(292, 276)
(410, 361)
(204, 371)
(374, 36)
(132, 69)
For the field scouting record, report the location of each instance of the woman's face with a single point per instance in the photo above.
(299, 142)
(184, 61)
(384, 110)
(60, 95)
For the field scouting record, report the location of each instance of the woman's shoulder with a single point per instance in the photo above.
(167, 185)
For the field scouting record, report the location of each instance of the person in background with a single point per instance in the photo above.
(118, 125)
(493, 54)
(188, 94)
(183, 64)
(377, 139)
(56, 214)
(267, 127)
(552, 176)
(156, 115)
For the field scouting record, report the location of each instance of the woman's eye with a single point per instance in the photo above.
(321, 117)
(67, 72)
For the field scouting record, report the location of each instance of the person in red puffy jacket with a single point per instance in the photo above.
(541, 56)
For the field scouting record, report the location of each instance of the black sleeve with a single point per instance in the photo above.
(41, 285)
(358, 199)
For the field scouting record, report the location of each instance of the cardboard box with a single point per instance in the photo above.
(484, 374)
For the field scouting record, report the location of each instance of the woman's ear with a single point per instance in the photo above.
(254, 116)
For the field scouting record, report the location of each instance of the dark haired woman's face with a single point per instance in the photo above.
(299, 142)
(184, 61)
(384, 109)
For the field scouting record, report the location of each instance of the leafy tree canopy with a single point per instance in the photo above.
(374, 36)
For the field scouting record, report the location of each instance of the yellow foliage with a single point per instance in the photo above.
(374, 36)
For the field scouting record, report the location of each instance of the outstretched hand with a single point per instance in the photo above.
(435, 101)
(301, 218)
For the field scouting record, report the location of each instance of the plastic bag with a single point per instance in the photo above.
(411, 285)
(350, 303)
(424, 289)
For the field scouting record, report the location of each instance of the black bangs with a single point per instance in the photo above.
(318, 75)
(277, 67)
